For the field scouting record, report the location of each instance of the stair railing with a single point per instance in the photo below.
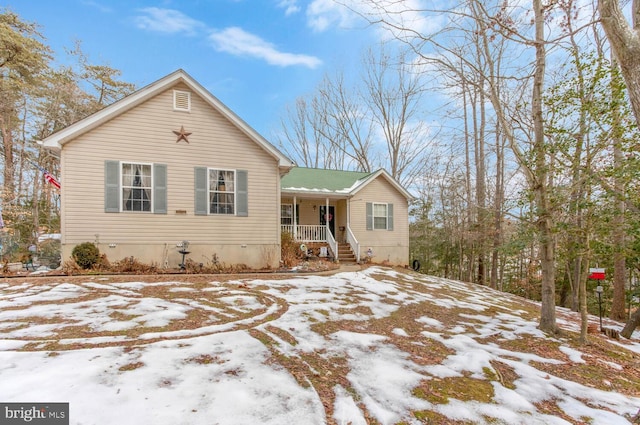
(333, 245)
(353, 243)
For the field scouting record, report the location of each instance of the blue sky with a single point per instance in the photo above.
(256, 56)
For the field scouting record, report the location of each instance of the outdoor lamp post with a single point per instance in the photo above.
(599, 292)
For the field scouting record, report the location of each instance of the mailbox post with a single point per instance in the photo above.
(598, 274)
(599, 292)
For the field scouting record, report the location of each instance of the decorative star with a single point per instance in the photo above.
(182, 134)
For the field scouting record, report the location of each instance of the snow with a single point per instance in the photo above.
(219, 373)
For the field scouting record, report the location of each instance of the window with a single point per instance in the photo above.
(286, 214)
(136, 187)
(380, 216)
(221, 191)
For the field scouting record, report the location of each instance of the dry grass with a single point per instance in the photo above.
(323, 372)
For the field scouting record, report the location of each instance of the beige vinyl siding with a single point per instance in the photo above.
(390, 246)
(306, 213)
(145, 134)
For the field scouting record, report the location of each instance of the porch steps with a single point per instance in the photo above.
(345, 255)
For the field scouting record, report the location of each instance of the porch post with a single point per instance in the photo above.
(295, 219)
(326, 214)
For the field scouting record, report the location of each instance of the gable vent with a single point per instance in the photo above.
(181, 100)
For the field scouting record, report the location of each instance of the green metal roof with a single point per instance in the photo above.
(300, 179)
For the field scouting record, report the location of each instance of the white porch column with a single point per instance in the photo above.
(295, 219)
(326, 213)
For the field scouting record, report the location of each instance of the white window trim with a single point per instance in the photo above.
(373, 215)
(176, 93)
(235, 190)
(281, 216)
(120, 187)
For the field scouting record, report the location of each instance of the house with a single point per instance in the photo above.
(170, 170)
(355, 213)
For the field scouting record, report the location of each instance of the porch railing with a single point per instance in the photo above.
(321, 233)
(307, 232)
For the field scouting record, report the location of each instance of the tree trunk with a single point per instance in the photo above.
(631, 325)
(619, 258)
(625, 44)
(497, 208)
(467, 160)
(481, 195)
(584, 313)
(541, 190)
(575, 282)
(8, 173)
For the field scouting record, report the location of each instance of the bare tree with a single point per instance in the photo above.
(302, 140)
(393, 91)
(365, 124)
(351, 130)
(540, 180)
(310, 134)
(624, 39)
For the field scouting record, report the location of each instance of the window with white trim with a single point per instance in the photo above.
(137, 187)
(222, 192)
(380, 216)
(286, 214)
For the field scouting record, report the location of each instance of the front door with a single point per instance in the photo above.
(330, 217)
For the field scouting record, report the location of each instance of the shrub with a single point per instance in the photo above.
(130, 265)
(86, 255)
(50, 253)
(289, 249)
(70, 267)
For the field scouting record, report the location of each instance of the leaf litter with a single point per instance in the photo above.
(374, 346)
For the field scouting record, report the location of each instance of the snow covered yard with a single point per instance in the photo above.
(371, 346)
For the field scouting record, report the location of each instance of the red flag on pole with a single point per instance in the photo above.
(50, 179)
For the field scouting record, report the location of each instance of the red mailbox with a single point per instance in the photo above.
(596, 274)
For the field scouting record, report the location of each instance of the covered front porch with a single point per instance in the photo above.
(320, 220)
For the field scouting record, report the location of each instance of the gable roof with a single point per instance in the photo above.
(60, 138)
(317, 181)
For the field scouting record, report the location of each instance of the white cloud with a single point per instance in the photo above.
(321, 14)
(168, 21)
(290, 6)
(238, 42)
(102, 8)
(409, 14)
